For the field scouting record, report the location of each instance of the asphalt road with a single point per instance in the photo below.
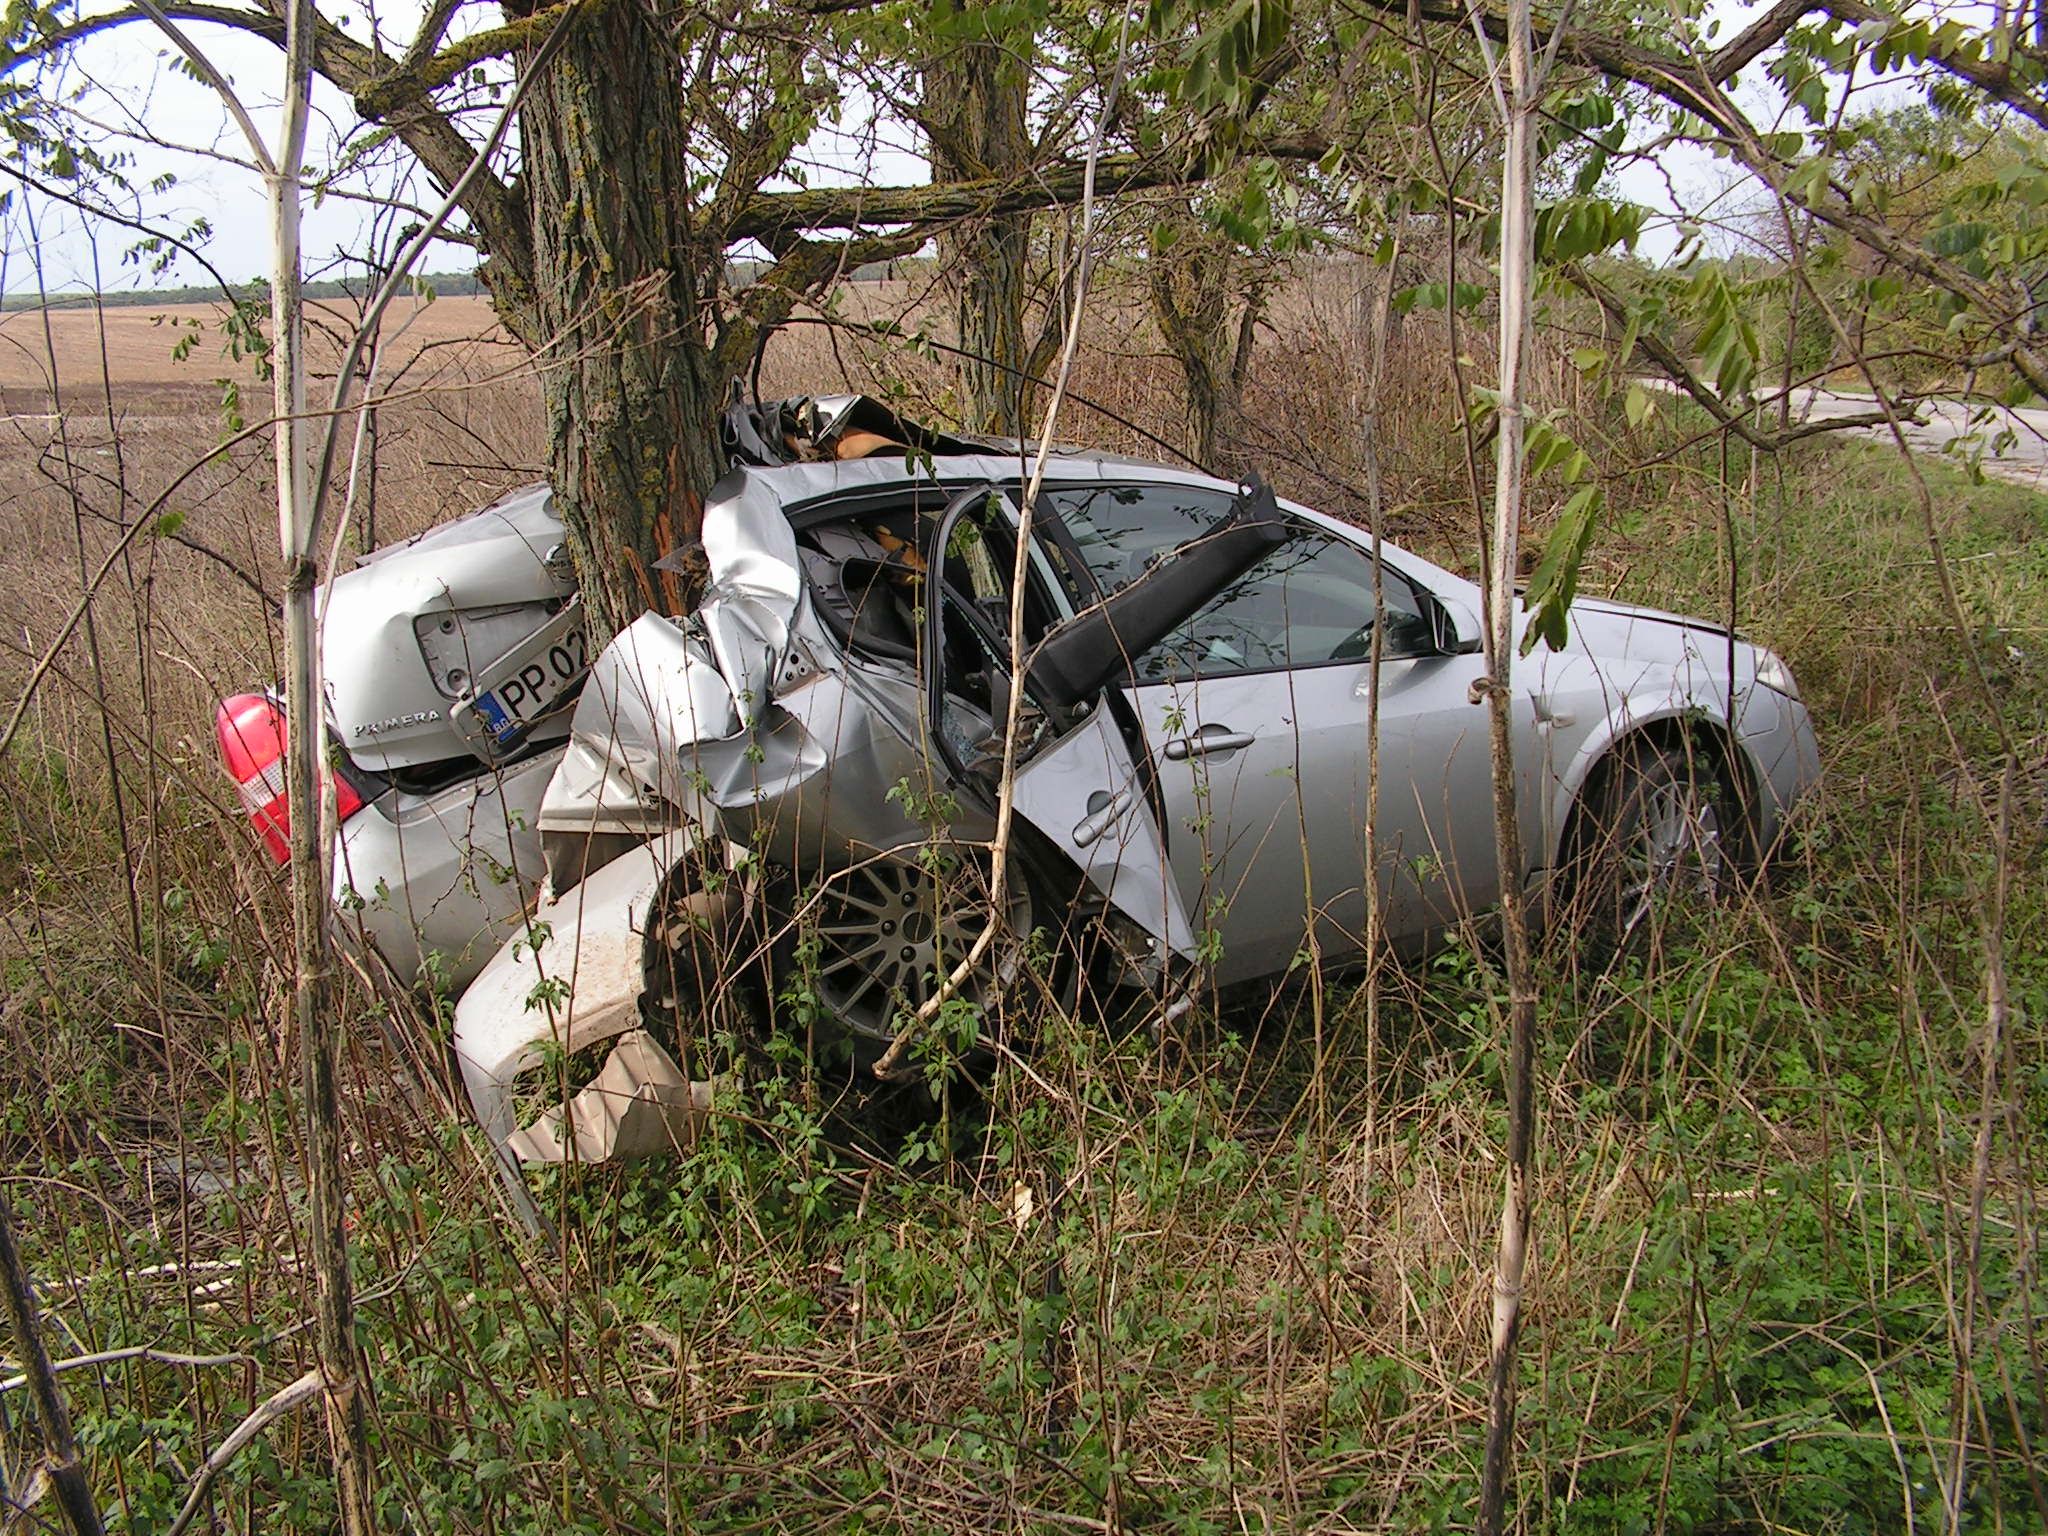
(1937, 423)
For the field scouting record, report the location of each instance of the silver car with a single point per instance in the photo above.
(822, 738)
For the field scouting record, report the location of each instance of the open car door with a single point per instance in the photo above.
(1079, 783)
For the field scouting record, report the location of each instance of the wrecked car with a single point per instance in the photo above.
(450, 660)
(822, 740)
(798, 782)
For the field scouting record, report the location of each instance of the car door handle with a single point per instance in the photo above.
(1105, 810)
(1210, 738)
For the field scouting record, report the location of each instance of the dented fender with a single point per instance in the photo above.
(575, 980)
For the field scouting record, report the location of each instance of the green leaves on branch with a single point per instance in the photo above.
(1727, 344)
(1551, 589)
(1217, 68)
(1575, 228)
(1259, 208)
(1568, 230)
(1466, 297)
(1550, 453)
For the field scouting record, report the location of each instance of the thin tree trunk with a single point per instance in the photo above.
(1517, 262)
(60, 1448)
(311, 816)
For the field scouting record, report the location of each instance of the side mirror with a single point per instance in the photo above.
(1457, 627)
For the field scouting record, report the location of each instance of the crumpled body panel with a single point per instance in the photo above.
(549, 1003)
(748, 723)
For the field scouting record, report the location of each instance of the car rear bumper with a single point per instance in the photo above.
(433, 884)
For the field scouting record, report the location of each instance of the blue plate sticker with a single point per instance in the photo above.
(502, 725)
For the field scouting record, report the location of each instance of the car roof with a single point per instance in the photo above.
(796, 484)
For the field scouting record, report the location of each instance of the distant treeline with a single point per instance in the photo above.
(443, 284)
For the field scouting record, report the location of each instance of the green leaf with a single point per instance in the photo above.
(1468, 297)
(1638, 407)
(1556, 582)
(1809, 181)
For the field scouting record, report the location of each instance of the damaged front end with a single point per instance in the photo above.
(820, 739)
(555, 1052)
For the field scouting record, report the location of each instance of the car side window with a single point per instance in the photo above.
(1119, 530)
(1307, 603)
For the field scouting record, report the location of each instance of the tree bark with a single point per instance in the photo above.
(1206, 303)
(60, 1447)
(974, 95)
(312, 817)
(615, 313)
(1523, 93)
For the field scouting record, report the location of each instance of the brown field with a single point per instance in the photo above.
(131, 345)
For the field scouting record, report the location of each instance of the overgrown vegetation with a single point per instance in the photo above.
(1235, 1276)
(1230, 1269)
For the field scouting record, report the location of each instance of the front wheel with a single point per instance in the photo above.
(867, 948)
(1664, 832)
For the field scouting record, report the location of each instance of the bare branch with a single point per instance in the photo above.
(272, 1408)
(202, 66)
(1766, 32)
(769, 214)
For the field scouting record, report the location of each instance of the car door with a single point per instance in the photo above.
(1256, 713)
(1078, 784)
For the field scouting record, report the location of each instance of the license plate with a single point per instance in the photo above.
(520, 698)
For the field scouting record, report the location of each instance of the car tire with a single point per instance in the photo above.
(1662, 832)
(869, 944)
(709, 976)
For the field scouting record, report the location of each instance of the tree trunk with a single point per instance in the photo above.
(60, 1446)
(311, 809)
(1196, 280)
(974, 115)
(1517, 280)
(615, 314)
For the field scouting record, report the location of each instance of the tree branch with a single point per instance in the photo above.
(767, 216)
(1994, 77)
(801, 268)
(286, 1400)
(1655, 350)
(1765, 32)
(353, 67)
(413, 80)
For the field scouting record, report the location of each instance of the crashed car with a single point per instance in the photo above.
(822, 740)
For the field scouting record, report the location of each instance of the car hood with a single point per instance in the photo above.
(1601, 627)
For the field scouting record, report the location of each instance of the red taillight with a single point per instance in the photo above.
(250, 728)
